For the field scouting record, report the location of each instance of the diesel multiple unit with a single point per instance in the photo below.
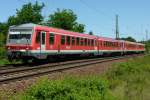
(31, 41)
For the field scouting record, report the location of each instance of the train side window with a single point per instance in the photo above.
(81, 41)
(77, 40)
(62, 39)
(95, 43)
(88, 42)
(99, 43)
(85, 42)
(73, 40)
(38, 39)
(51, 38)
(92, 42)
(43, 38)
(105, 43)
(68, 40)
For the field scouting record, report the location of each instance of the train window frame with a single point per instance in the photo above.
(63, 39)
(51, 38)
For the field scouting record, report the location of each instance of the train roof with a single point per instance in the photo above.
(129, 42)
(52, 29)
(26, 26)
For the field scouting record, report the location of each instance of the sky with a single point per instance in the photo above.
(97, 15)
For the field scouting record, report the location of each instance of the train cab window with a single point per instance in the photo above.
(68, 40)
(73, 40)
(63, 40)
(77, 40)
(51, 38)
(38, 39)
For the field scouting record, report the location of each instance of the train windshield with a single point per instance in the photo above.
(19, 36)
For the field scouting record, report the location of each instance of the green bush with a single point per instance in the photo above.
(2, 52)
(92, 88)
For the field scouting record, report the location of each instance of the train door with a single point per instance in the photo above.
(43, 40)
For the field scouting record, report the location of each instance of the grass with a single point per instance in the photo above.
(130, 80)
(3, 58)
(124, 81)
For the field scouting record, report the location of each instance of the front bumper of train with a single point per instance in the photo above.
(18, 55)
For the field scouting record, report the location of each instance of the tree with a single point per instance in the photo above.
(90, 33)
(29, 13)
(131, 39)
(147, 45)
(2, 39)
(65, 19)
(78, 28)
(3, 28)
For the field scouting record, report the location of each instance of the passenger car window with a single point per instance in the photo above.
(92, 42)
(88, 42)
(38, 39)
(77, 40)
(73, 41)
(43, 38)
(85, 42)
(68, 40)
(81, 41)
(51, 38)
(62, 40)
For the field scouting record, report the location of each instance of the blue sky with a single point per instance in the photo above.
(97, 15)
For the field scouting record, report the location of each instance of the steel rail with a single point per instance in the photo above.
(57, 68)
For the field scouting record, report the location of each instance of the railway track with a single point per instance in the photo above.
(10, 75)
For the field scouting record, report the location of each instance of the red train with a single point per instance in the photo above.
(31, 41)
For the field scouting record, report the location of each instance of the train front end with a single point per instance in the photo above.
(19, 43)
